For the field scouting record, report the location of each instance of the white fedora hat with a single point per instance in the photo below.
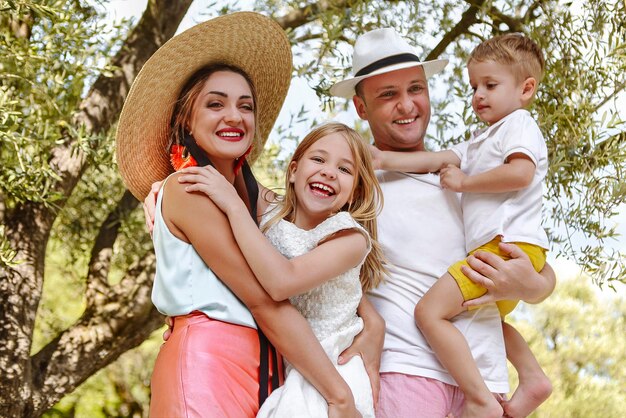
(381, 51)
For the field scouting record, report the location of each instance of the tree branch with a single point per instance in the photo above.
(123, 321)
(619, 88)
(469, 17)
(28, 227)
(102, 251)
(103, 104)
(306, 14)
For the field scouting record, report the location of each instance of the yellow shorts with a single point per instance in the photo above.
(471, 290)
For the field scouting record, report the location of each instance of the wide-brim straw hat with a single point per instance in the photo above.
(381, 51)
(250, 41)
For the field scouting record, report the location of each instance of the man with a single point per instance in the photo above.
(421, 232)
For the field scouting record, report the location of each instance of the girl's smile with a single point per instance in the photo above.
(323, 180)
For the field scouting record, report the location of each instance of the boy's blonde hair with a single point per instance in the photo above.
(514, 49)
(366, 202)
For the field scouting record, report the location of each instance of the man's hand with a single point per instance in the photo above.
(513, 279)
(149, 205)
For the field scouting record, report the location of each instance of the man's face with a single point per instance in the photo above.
(397, 108)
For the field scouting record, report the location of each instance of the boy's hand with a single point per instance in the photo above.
(377, 157)
(451, 177)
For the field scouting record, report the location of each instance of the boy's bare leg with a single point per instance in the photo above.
(432, 315)
(534, 386)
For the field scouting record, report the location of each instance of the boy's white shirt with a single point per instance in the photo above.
(421, 233)
(516, 216)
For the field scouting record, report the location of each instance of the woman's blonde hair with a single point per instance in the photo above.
(366, 202)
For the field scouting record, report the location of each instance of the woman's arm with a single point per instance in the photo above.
(514, 279)
(282, 323)
(281, 277)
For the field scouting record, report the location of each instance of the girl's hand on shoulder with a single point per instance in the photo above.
(210, 182)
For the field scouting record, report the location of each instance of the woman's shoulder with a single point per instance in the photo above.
(180, 203)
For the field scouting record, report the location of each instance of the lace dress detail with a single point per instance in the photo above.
(331, 311)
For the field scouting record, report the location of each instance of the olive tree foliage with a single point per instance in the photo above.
(577, 336)
(65, 213)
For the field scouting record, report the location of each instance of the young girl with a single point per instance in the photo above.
(501, 172)
(318, 238)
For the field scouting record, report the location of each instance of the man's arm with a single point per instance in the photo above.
(368, 344)
(513, 279)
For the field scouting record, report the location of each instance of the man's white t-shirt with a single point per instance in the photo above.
(421, 233)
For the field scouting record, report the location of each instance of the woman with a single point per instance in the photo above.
(211, 95)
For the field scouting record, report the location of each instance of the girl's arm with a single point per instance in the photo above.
(413, 162)
(515, 174)
(282, 323)
(280, 277)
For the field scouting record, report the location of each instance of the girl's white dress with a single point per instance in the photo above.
(331, 311)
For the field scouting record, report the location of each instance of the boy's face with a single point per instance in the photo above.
(497, 92)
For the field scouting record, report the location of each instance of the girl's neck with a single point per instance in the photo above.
(307, 221)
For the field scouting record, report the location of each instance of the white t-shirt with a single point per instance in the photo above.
(421, 233)
(516, 216)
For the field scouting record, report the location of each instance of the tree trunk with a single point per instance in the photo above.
(29, 387)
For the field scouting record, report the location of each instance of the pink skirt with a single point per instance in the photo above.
(207, 368)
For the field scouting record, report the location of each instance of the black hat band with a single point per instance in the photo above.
(387, 61)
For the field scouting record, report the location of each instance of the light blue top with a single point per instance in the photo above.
(184, 283)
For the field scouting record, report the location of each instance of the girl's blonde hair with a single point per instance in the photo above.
(367, 198)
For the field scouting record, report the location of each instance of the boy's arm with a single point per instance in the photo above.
(415, 161)
(515, 174)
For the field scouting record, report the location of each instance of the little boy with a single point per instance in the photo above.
(501, 171)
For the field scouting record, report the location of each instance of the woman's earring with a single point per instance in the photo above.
(185, 154)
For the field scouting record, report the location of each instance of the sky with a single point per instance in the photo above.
(301, 94)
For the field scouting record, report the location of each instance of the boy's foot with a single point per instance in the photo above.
(490, 408)
(531, 392)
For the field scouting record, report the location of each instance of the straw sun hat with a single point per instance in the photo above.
(250, 41)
